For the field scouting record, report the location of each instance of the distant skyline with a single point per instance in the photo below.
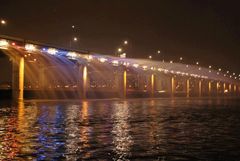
(203, 31)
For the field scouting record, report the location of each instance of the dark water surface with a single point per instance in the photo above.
(160, 129)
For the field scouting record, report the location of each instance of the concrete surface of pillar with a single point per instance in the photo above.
(172, 86)
(188, 88)
(18, 79)
(152, 85)
(200, 88)
(209, 88)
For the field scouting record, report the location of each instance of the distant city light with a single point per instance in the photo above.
(150, 57)
(210, 67)
(181, 58)
(158, 51)
(73, 26)
(125, 42)
(219, 69)
(171, 61)
(197, 63)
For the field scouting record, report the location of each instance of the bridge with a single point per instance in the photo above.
(45, 71)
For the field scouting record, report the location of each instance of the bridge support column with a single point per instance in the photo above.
(152, 85)
(83, 81)
(224, 88)
(235, 89)
(200, 88)
(230, 89)
(18, 79)
(173, 86)
(122, 83)
(209, 88)
(218, 88)
(188, 88)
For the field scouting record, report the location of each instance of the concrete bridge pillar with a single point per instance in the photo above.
(173, 86)
(152, 85)
(121, 82)
(209, 88)
(187, 88)
(18, 79)
(235, 89)
(230, 89)
(83, 81)
(218, 92)
(200, 88)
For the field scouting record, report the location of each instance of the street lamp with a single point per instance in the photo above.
(119, 50)
(3, 22)
(75, 39)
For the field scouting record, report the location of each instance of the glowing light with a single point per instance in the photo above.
(150, 57)
(219, 69)
(73, 26)
(181, 58)
(123, 55)
(102, 60)
(30, 47)
(3, 22)
(227, 71)
(209, 71)
(152, 68)
(3, 43)
(115, 62)
(199, 68)
(126, 64)
(75, 39)
(144, 67)
(171, 61)
(72, 55)
(187, 66)
(52, 51)
(158, 51)
(13, 43)
(119, 49)
(233, 73)
(197, 63)
(125, 42)
(90, 57)
(135, 65)
(210, 67)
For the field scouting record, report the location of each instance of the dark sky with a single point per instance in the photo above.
(205, 30)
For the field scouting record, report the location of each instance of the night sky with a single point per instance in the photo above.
(204, 31)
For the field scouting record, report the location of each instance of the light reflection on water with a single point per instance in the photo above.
(159, 129)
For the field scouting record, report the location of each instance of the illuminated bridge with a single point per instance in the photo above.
(44, 71)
